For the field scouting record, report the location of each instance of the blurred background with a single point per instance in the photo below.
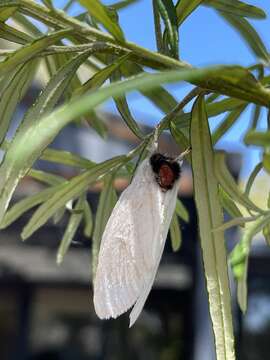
(46, 311)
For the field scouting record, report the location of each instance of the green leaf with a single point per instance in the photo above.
(45, 177)
(257, 138)
(239, 258)
(184, 8)
(11, 34)
(249, 34)
(239, 221)
(70, 190)
(180, 136)
(228, 204)
(266, 160)
(266, 234)
(30, 50)
(106, 203)
(97, 123)
(101, 76)
(227, 123)
(175, 233)
(158, 31)
(237, 8)
(24, 205)
(39, 134)
(15, 165)
(123, 109)
(18, 83)
(119, 5)
(159, 96)
(227, 182)
(66, 158)
(100, 12)
(72, 227)
(210, 216)
(88, 220)
(181, 211)
(252, 177)
(168, 14)
(6, 13)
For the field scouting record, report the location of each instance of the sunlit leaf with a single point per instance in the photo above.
(18, 83)
(30, 50)
(15, 164)
(100, 12)
(237, 8)
(184, 8)
(212, 243)
(258, 138)
(168, 13)
(14, 35)
(19, 158)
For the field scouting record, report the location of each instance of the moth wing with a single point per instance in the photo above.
(168, 209)
(132, 245)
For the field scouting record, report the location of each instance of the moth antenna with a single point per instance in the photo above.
(183, 154)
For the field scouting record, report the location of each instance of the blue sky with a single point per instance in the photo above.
(205, 39)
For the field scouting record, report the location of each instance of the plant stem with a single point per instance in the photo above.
(59, 19)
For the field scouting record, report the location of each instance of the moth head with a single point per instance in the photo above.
(166, 169)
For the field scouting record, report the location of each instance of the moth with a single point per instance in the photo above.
(134, 237)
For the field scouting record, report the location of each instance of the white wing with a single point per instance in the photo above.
(132, 246)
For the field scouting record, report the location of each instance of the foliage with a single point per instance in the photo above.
(95, 40)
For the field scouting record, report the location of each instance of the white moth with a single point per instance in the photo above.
(134, 238)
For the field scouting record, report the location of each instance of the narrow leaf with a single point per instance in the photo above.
(175, 233)
(184, 8)
(227, 123)
(252, 177)
(228, 184)
(70, 190)
(106, 203)
(237, 8)
(239, 258)
(30, 50)
(168, 14)
(235, 222)
(15, 165)
(210, 216)
(228, 204)
(257, 138)
(18, 83)
(249, 34)
(181, 211)
(19, 158)
(88, 220)
(14, 35)
(6, 13)
(72, 227)
(100, 12)
(24, 205)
